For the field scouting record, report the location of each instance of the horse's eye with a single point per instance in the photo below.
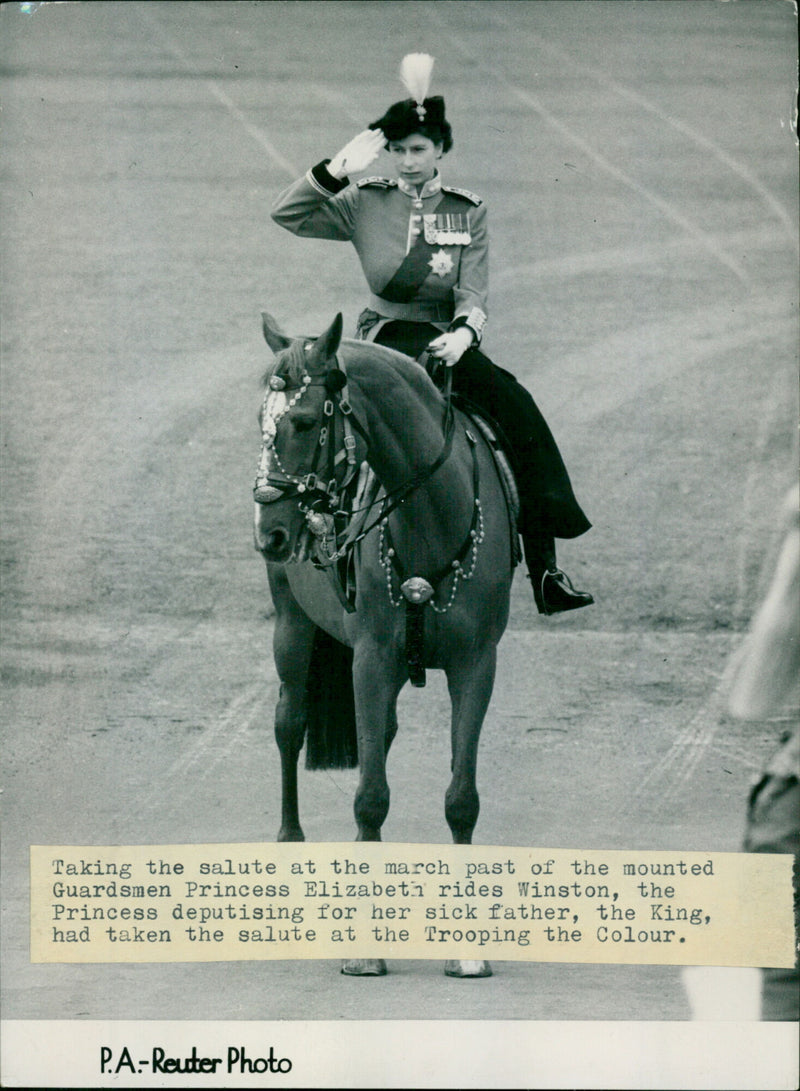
(303, 424)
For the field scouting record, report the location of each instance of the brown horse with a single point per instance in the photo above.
(417, 576)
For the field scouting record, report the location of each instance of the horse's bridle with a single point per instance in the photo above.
(321, 495)
(317, 485)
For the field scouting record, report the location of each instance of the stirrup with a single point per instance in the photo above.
(574, 600)
(558, 572)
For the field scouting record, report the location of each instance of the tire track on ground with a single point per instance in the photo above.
(255, 132)
(615, 259)
(669, 778)
(641, 363)
(211, 752)
(666, 208)
(734, 165)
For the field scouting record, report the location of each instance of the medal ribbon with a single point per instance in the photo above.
(414, 269)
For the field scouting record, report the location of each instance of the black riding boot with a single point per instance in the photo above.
(552, 588)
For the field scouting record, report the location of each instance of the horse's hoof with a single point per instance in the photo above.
(464, 967)
(364, 967)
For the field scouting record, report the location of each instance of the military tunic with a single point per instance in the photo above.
(383, 218)
(387, 220)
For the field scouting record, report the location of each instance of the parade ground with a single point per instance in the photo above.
(640, 171)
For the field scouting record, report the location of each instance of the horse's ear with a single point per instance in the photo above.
(328, 342)
(273, 334)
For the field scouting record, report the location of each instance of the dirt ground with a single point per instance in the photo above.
(641, 177)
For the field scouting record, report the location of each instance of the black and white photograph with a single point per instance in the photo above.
(399, 420)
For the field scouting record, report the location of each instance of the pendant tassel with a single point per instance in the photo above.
(416, 591)
(415, 643)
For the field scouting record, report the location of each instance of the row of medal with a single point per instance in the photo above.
(448, 229)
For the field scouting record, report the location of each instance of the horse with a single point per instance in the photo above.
(415, 573)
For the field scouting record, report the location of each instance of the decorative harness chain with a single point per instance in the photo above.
(418, 589)
(274, 482)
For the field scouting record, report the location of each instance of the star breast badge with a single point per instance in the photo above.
(441, 263)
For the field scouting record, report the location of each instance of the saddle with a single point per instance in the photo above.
(507, 480)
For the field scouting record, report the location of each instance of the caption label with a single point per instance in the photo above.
(203, 903)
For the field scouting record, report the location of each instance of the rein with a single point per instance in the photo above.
(392, 500)
(273, 485)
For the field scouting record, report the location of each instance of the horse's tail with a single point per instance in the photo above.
(331, 729)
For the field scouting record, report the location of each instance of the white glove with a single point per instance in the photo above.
(358, 154)
(450, 347)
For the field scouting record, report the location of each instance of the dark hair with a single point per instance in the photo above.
(403, 118)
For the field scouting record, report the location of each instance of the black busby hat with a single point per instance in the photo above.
(418, 114)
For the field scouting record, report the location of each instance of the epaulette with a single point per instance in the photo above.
(384, 183)
(465, 193)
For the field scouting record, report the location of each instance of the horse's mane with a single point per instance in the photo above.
(361, 356)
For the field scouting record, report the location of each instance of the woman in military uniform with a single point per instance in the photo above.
(423, 247)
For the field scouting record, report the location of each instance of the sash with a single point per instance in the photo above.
(408, 279)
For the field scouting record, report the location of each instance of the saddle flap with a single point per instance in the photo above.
(507, 480)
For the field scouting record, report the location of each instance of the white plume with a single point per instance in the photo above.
(415, 72)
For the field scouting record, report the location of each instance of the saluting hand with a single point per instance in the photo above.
(358, 153)
(450, 347)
